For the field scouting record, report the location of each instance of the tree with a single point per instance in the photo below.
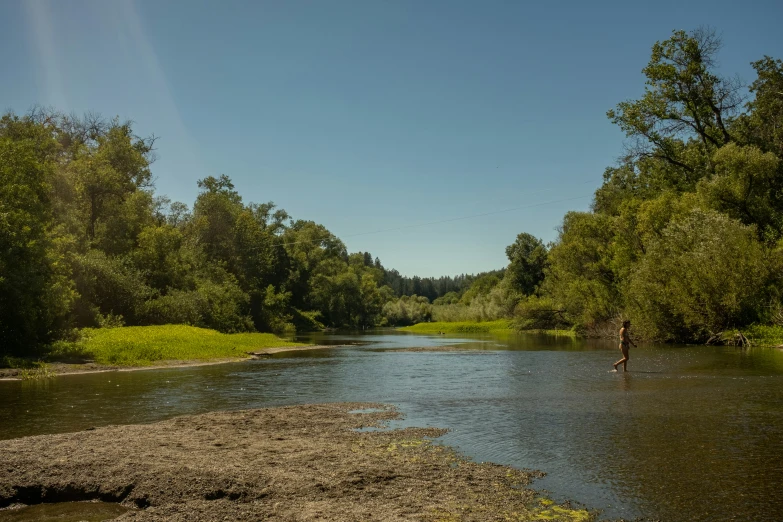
(579, 275)
(307, 245)
(111, 180)
(214, 215)
(527, 260)
(407, 310)
(35, 293)
(706, 273)
(481, 286)
(762, 124)
(684, 99)
(162, 258)
(746, 186)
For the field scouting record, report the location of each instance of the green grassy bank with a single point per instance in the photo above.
(762, 335)
(146, 345)
(499, 327)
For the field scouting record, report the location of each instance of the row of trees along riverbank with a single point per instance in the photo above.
(684, 235)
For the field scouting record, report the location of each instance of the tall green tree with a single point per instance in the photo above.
(762, 124)
(746, 186)
(685, 103)
(35, 293)
(579, 275)
(527, 260)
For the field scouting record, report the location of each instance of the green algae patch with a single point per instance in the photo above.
(546, 510)
(146, 345)
(486, 486)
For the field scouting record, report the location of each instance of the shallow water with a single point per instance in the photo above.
(64, 512)
(690, 433)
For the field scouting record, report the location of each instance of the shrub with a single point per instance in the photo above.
(705, 274)
(539, 313)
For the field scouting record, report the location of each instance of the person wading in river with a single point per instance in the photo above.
(625, 341)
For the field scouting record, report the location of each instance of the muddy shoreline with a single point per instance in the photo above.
(291, 463)
(61, 368)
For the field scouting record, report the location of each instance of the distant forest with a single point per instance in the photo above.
(430, 287)
(685, 235)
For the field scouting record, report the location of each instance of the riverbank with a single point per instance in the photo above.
(148, 347)
(460, 327)
(499, 327)
(291, 463)
(760, 335)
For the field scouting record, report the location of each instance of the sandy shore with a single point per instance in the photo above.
(293, 463)
(58, 368)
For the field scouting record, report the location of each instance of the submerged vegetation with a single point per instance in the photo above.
(685, 236)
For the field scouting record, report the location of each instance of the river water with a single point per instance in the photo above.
(689, 433)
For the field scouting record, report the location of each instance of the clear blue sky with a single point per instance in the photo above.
(371, 114)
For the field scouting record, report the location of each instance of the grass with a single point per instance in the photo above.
(500, 325)
(9, 361)
(39, 370)
(555, 333)
(764, 335)
(146, 345)
(29, 368)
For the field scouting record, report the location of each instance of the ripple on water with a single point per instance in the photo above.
(689, 433)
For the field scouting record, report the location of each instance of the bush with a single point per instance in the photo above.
(407, 311)
(176, 307)
(539, 313)
(579, 276)
(706, 273)
(220, 306)
(497, 303)
(307, 321)
(108, 286)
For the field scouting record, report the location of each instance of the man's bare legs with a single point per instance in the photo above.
(624, 360)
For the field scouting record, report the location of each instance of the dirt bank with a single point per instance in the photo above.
(292, 463)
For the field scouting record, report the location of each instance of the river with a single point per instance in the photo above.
(689, 433)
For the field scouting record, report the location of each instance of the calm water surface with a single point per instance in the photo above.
(691, 433)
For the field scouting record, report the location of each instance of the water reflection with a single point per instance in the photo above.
(64, 512)
(690, 433)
